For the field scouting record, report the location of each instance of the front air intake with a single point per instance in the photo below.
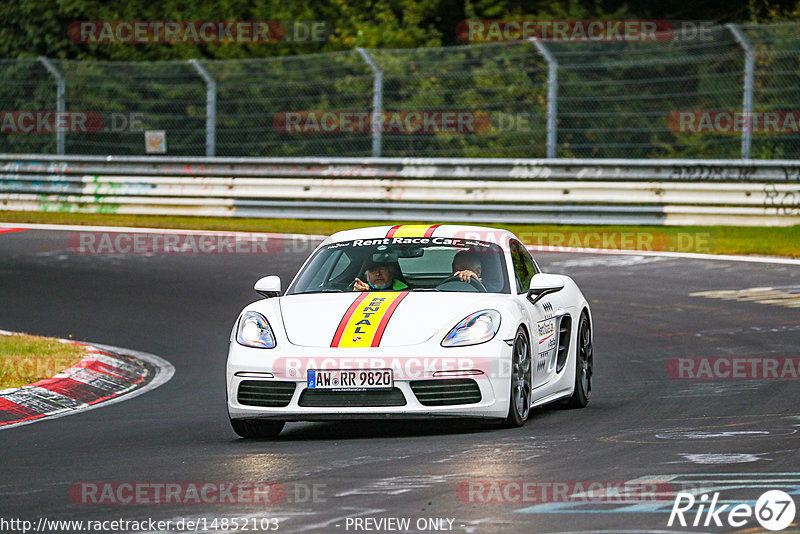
(446, 392)
(268, 393)
(564, 335)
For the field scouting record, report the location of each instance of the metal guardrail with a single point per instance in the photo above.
(674, 192)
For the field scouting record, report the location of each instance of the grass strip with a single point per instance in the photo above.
(746, 240)
(25, 359)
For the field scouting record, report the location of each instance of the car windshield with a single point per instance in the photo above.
(428, 264)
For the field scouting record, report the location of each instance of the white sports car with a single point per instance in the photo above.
(410, 321)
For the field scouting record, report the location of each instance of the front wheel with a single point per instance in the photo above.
(583, 366)
(519, 402)
(256, 428)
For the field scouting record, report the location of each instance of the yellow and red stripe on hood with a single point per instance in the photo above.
(365, 320)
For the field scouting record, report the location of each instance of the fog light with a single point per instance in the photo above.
(253, 374)
(458, 372)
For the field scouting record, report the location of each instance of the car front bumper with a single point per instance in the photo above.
(487, 364)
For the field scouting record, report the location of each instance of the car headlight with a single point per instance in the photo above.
(254, 331)
(479, 327)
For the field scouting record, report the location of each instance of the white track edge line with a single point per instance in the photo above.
(132, 229)
(536, 248)
(667, 254)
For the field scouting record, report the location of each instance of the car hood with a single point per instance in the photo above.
(402, 318)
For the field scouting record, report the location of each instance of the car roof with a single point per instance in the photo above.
(479, 233)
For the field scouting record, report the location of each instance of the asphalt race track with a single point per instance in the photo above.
(641, 423)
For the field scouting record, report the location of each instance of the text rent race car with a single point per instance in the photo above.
(410, 321)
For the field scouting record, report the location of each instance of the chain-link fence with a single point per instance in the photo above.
(679, 97)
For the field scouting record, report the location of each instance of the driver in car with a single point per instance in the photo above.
(380, 276)
(466, 266)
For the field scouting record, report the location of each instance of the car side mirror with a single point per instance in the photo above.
(269, 286)
(543, 284)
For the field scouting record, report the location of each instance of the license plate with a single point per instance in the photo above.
(350, 379)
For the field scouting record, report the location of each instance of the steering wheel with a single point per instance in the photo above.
(474, 282)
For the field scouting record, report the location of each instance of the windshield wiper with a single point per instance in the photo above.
(328, 290)
(425, 289)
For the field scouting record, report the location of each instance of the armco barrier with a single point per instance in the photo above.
(670, 192)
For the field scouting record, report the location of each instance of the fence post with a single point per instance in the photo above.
(747, 99)
(377, 102)
(61, 106)
(552, 96)
(211, 106)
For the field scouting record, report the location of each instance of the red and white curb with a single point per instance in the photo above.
(104, 376)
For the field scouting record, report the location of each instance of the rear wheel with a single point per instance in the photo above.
(519, 403)
(583, 366)
(256, 428)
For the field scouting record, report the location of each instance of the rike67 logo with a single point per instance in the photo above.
(774, 510)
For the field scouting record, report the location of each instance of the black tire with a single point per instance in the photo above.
(519, 401)
(257, 428)
(584, 366)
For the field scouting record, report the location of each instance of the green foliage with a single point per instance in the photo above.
(39, 27)
(614, 99)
